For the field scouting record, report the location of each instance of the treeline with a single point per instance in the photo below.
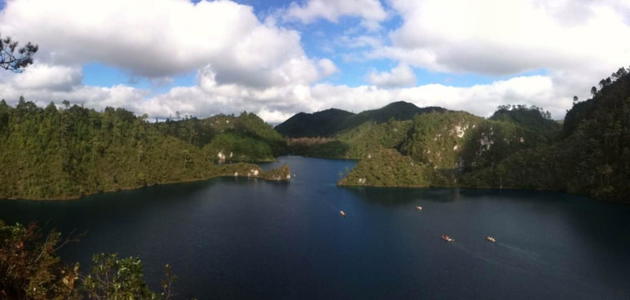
(51, 153)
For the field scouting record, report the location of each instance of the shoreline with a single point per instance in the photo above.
(262, 175)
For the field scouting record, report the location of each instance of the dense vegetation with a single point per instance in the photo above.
(51, 153)
(247, 137)
(319, 124)
(440, 146)
(332, 122)
(31, 269)
(518, 147)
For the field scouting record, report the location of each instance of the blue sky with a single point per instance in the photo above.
(276, 58)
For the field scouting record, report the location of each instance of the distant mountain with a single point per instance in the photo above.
(332, 121)
(399, 111)
(321, 123)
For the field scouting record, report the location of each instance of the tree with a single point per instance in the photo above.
(575, 99)
(12, 61)
(593, 91)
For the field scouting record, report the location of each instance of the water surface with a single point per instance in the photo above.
(237, 238)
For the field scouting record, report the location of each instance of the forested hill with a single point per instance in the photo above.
(518, 147)
(247, 137)
(331, 122)
(51, 153)
(321, 123)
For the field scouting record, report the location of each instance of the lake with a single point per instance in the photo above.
(235, 238)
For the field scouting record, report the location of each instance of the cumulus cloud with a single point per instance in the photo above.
(371, 11)
(48, 77)
(509, 37)
(401, 75)
(158, 38)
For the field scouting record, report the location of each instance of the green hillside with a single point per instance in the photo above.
(243, 138)
(440, 146)
(319, 124)
(50, 153)
(518, 147)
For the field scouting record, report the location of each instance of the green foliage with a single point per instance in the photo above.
(247, 127)
(398, 111)
(317, 147)
(387, 167)
(282, 173)
(31, 269)
(238, 148)
(318, 124)
(533, 118)
(121, 278)
(55, 154)
(517, 148)
(436, 148)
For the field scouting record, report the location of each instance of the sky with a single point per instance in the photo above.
(276, 58)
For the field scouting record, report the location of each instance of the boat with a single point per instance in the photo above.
(342, 213)
(491, 239)
(419, 207)
(447, 238)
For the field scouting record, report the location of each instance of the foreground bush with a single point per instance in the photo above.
(31, 269)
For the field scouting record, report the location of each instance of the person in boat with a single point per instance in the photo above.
(447, 238)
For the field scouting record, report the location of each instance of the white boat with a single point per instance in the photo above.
(419, 207)
(491, 239)
(447, 238)
(342, 213)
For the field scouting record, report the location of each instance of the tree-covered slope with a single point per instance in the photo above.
(243, 138)
(518, 147)
(398, 111)
(319, 124)
(593, 155)
(52, 154)
(533, 118)
(441, 146)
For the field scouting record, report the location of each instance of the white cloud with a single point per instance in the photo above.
(49, 77)
(158, 38)
(508, 37)
(401, 75)
(371, 11)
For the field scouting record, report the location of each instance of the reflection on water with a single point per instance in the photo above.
(243, 238)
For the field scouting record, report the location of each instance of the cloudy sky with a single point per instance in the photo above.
(276, 58)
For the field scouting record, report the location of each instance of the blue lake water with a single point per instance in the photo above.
(233, 238)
